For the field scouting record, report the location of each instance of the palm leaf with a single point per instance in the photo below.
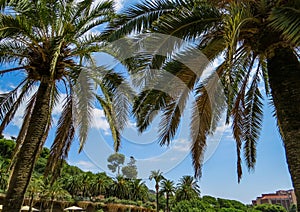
(84, 96)
(9, 114)
(253, 119)
(207, 109)
(63, 138)
(286, 20)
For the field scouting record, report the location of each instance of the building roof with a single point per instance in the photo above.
(274, 196)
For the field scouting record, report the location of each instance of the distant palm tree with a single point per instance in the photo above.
(158, 177)
(34, 189)
(187, 189)
(167, 188)
(258, 41)
(54, 191)
(72, 184)
(138, 190)
(120, 188)
(86, 184)
(99, 183)
(50, 43)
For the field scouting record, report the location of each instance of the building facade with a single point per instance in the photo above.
(281, 197)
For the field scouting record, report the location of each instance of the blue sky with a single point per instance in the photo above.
(219, 177)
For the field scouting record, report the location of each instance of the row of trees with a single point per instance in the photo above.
(75, 184)
(50, 41)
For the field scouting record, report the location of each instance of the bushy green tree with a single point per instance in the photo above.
(130, 171)
(115, 161)
(7, 147)
(194, 205)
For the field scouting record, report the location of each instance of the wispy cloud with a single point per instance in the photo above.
(86, 165)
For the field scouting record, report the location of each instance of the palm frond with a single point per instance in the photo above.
(147, 105)
(207, 109)
(12, 70)
(111, 119)
(253, 119)
(23, 131)
(286, 20)
(63, 139)
(84, 96)
(9, 114)
(138, 18)
(7, 100)
(238, 114)
(189, 23)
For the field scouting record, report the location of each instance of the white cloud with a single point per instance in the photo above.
(86, 165)
(99, 121)
(181, 145)
(9, 135)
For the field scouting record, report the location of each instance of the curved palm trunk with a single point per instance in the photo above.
(284, 78)
(30, 149)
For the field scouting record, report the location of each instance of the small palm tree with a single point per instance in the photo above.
(167, 188)
(34, 189)
(72, 184)
(138, 190)
(54, 191)
(158, 177)
(187, 189)
(51, 44)
(120, 187)
(99, 183)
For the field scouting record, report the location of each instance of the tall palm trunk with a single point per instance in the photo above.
(167, 203)
(284, 78)
(31, 202)
(157, 189)
(30, 149)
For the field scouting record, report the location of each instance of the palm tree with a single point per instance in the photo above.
(258, 41)
(54, 191)
(187, 189)
(34, 189)
(158, 177)
(99, 183)
(86, 184)
(138, 190)
(72, 184)
(167, 188)
(51, 43)
(120, 187)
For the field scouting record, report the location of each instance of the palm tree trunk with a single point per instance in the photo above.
(31, 202)
(30, 149)
(284, 78)
(157, 188)
(168, 209)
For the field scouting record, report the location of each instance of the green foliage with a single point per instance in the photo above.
(270, 208)
(211, 200)
(293, 208)
(130, 171)
(115, 161)
(195, 205)
(7, 147)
